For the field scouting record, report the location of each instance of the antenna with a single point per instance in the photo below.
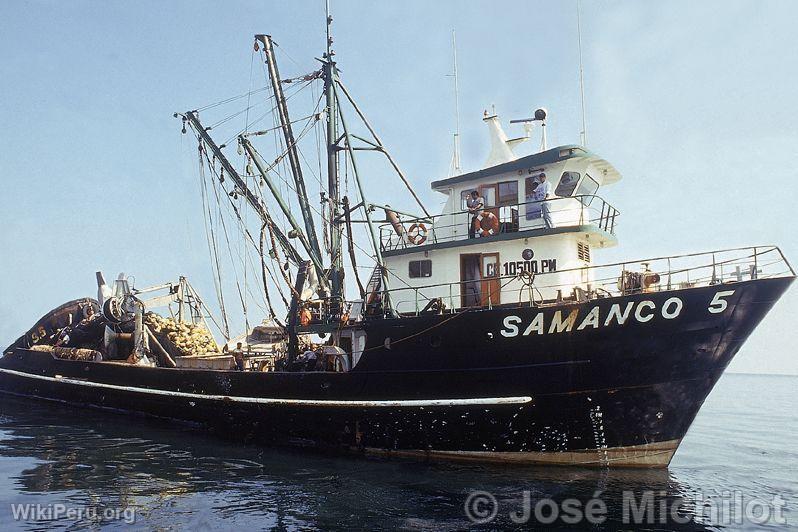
(329, 20)
(583, 134)
(539, 116)
(456, 154)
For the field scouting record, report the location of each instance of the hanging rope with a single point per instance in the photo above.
(281, 269)
(212, 245)
(245, 231)
(272, 315)
(213, 220)
(229, 246)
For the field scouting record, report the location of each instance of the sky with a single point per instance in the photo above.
(693, 102)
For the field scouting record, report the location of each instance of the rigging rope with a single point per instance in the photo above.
(279, 168)
(272, 315)
(211, 226)
(297, 90)
(229, 247)
(282, 270)
(231, 99)
(242, 223)
(242, 226)
(212, 245)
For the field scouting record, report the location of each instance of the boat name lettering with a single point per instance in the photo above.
(572, 320)
(534, 266)
(718, 304)
(38, 334)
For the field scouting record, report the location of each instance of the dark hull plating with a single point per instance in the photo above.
(601, 393)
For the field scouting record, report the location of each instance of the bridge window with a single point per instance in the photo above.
(508, 193)
(420, 268)
(587, 187)
(567, 184)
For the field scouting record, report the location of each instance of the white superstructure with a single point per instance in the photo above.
(439, 259)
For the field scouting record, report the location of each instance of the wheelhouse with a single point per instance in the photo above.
(447, 257)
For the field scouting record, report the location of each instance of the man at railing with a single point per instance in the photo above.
(475, 204)
(540, 195)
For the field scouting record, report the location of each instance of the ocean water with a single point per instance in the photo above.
(736, 469)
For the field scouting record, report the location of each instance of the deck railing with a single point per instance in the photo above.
(564, 212)
(548, 288)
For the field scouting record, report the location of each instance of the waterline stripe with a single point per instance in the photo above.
(273, 401)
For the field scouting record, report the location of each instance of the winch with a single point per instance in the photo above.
(124, 331)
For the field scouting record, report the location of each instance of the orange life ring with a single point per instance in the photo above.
(417, 234)
(486, 224)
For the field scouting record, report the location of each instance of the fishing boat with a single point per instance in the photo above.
(485, 332)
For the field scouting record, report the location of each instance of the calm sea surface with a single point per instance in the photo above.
(741, 451)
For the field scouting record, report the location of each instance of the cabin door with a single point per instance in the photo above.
(480, 285)
(470, 280)
(491, 284)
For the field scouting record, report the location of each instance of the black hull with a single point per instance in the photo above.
(469, 385)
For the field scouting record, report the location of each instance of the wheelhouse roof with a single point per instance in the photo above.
(608, 172)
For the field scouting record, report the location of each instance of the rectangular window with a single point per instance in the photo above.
(508, 193)
(488, 193)
(464, 195)
(420, 268)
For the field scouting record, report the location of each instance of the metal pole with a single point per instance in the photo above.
(351, 246)
(195, 124)
(755, 275)
(456, 106)
(336, 255)
(288, 134)
(581, 70)
(375, 245)
(315, 258)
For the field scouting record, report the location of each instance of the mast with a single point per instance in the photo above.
(336, 256)
(456, 156)
(290, 142)
(331, 85)
(193, 121)
(581, 70)
(375, 244)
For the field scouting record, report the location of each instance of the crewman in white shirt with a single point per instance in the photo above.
(475, 204)
(541, 194)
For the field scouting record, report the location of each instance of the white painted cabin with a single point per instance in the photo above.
(483, 271)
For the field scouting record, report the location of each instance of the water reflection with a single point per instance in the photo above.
(171, 474)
